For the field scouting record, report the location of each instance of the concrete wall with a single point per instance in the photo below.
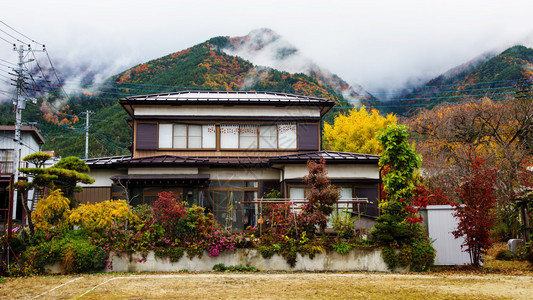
(355, 260)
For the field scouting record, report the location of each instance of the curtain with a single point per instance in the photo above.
(165, 136)
(287, 135)
(229, 136)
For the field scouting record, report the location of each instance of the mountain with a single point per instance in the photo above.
(265, 47)
(207, 66)
(491, 76)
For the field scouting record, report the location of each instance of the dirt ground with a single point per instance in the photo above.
(270, 286)
(495, 280)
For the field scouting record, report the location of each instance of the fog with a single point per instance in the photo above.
(380, 45)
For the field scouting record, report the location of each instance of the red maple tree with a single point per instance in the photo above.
(476, 213)
(321, 196)
(168, 209)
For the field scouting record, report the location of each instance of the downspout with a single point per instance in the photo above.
(284, 186)
(379, 190)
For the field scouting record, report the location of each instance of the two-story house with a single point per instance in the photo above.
(225, 150)
(30, 142)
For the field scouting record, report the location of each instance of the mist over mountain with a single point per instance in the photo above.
(494, 76)
(264, 47)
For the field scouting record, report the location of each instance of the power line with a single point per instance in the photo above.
(101, 91)
(13, 37)
(9, 42)
(433, 104)
(8, 62)
(21, 33)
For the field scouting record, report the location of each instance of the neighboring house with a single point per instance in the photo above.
(31, 142)
(220, 149)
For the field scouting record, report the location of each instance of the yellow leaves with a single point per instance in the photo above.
(356, 132)
(51, 210)
(98, 216)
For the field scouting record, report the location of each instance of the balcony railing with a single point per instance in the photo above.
(6, 167)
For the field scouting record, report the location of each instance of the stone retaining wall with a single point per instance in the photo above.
(356, 260)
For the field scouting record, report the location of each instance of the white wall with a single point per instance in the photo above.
(29, 144)
(440, 223)
(203, 110)
(242, 174)
(336, 171)
(102, 177)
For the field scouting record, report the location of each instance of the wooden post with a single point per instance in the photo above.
(10, 207)
(525, 222)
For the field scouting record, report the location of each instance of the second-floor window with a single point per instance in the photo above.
(187, 136)
(231, 136)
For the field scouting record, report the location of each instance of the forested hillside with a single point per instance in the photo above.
(204, 66)
(497, 77)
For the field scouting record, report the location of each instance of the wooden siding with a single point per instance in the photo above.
(308, 137)
(203, 153)
(91, 195)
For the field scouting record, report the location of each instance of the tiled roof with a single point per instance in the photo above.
(227, 97)
(152, 160)
(225, 161)
(329, 156)
(239, 161)
(161, 177)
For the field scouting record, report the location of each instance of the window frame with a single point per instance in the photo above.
(228, 189)
(187, 136)
(218, 136)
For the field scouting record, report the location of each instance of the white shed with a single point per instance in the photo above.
(440, 223)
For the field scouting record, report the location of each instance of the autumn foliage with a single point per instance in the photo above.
(52, 210)
(321, 196)
(99, 216)
(356, 131)
(476, 215)
(168, 210)
(500, 132)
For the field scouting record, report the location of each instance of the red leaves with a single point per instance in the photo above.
(475, 215)
(168, 210)
(322, 195)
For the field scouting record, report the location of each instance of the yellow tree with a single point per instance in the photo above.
(356, 132)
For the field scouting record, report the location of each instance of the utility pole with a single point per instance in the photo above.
(19, 103)
(87, 113)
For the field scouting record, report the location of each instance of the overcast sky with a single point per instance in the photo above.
(378, 44)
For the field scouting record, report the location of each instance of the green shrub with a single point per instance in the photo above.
(267, 251)
(343, 223)
(419, 256)
(390, 257)
(73, 250)
(144, 212)
(237, 268)
(341, 247)
(17, 245)
(422, 255)
(505, 255)
(174, 254)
